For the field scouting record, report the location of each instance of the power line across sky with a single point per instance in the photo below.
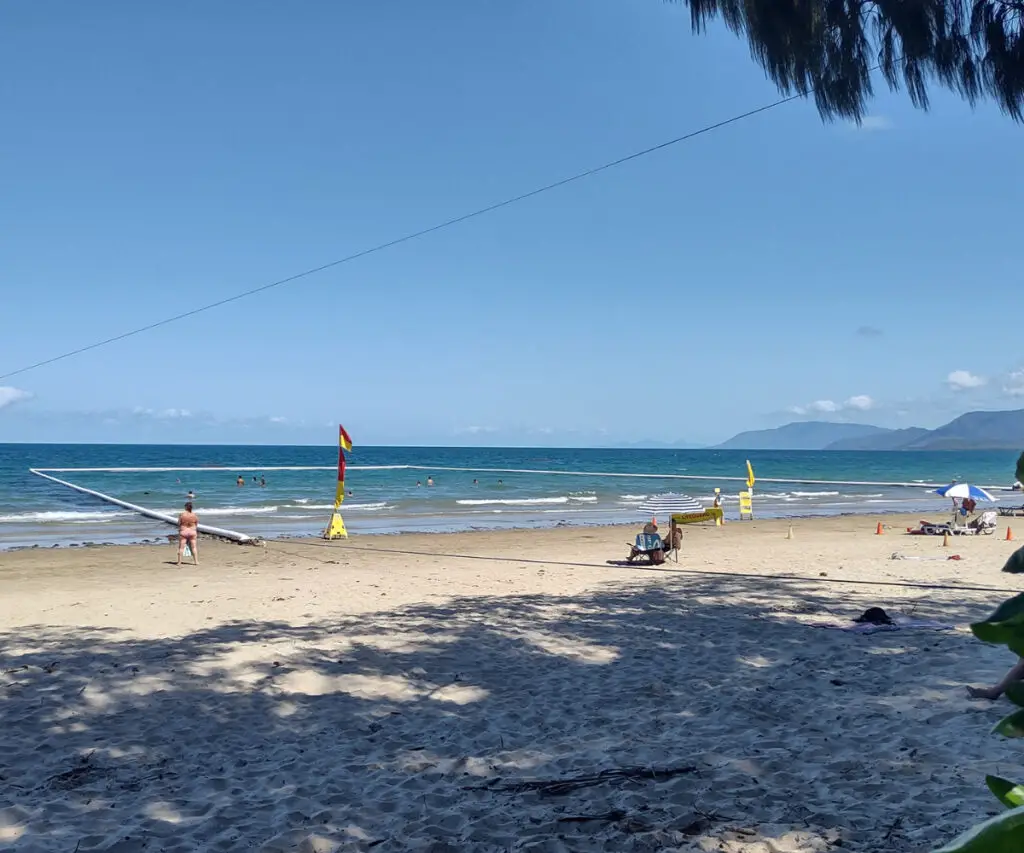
(405, 238)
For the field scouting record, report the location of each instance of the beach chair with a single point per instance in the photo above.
(984, 523)
(938, 528)
(1011, 511)
(647, 545)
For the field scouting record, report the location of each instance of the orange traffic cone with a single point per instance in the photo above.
(878, 530)
(1009, 534)
(945, 539)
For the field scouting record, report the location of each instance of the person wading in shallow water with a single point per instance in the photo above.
(188, 534)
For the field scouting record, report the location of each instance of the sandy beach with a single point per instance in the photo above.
(467, 691)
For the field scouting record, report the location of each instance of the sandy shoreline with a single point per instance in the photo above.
(394, 692)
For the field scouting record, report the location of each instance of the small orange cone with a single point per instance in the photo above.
(878, 530)
(1009, 534)
(945, 539)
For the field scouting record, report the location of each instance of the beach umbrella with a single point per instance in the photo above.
(670, 504)
(965, 490)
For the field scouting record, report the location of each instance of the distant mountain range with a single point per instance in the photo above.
(972, 431)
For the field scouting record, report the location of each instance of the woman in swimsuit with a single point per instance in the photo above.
(188, 533)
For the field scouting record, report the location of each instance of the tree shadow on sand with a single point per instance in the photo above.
(399, 730)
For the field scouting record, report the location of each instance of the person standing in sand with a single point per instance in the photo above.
(188, 534)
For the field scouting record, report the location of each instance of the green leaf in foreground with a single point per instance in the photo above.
(1002, 834)
(1009, 610)
(1000, 627)
(1008, 793)
(1015, 693)
(1011, 726)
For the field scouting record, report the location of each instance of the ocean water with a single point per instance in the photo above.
(386, 497)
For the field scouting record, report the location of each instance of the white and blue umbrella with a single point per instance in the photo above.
(670, 504)
(965, 490)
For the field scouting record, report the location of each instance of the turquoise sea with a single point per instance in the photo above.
(386, 498)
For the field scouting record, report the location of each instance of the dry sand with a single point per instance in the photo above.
(394, 693)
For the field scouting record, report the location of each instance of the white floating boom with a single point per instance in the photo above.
(233, 535)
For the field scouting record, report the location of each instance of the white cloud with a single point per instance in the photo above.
(859, 403)
(9, 396)
(1014, 385)
(476, 430)
(962, 380)
(279, 420)
(163, 414)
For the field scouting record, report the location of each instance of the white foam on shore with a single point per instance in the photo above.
(58, 516)
(236, 510)
(512, 501)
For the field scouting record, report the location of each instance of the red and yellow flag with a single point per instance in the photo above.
(344, 443)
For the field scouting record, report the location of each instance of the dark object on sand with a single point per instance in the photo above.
(555, 787)
(1015, 565)
(874, 616)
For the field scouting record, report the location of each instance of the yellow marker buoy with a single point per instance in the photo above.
(336, 529)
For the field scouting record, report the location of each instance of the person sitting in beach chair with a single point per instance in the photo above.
(674, 540)
(648, 544)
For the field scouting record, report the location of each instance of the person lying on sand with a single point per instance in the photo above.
(1015, 674)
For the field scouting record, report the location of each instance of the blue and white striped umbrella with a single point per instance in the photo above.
(965, 490)
(670, 504)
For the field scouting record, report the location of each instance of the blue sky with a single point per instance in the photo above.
(158, 157)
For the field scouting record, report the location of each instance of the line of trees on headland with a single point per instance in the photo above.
(829, 48)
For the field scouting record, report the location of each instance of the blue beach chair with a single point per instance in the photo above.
(648, 545)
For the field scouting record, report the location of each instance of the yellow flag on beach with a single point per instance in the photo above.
(750, 476)
(336, 528)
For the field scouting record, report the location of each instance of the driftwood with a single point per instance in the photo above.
(556, 787)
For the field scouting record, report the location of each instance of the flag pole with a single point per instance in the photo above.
(336, 527)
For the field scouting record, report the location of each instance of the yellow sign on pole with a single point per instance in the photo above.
(746, 506)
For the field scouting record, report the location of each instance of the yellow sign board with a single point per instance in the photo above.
(746, 505)
(711, 514)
